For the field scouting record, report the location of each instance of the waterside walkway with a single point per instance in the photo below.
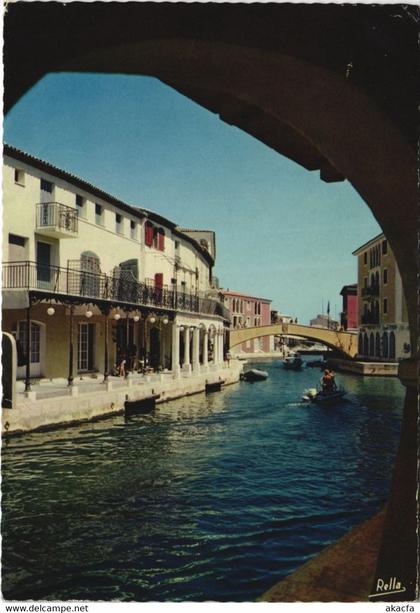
(52, 404)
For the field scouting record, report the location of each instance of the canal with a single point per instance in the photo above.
(212, 498)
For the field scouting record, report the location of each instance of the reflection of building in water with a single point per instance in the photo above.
(382, 311)
(90, 281)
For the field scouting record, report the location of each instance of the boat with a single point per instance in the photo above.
(292, 362)
(254, 374)
(322, 396)
(214, 386)
(140, 407)
(329, 397)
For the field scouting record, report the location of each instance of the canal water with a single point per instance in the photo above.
(212, 498)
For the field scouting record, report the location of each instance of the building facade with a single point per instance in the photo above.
(382, 312)
(246, 312)
(349, 314)
(324, 321)
(89, 280)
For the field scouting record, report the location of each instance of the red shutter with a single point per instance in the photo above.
(161, 240)
(159, 279)
(148, 234)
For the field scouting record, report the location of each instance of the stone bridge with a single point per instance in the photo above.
(344, 342)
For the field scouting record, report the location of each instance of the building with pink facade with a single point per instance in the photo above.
(348, 316)
(247, 312)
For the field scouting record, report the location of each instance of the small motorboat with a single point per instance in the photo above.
(292, 362)
(329, 397)
(254, 374)
(140, 407)
(322, 396)
(214, 386)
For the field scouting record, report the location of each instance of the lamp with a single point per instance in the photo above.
(88, 314)
(50, 310)
(165, 320)
(117, 316)
(152, 318)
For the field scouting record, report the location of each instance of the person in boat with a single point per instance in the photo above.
(328, 382)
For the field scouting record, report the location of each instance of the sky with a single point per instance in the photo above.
(281, 232)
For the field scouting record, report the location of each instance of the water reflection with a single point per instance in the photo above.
(211, 497)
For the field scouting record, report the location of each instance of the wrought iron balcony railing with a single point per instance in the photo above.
(372, 290)
(56, 217)
(370, 318)
(54, 280)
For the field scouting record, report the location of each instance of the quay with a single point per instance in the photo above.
(52, 404)
(358, 367)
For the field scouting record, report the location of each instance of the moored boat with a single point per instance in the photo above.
(254, 374)
(292, 362)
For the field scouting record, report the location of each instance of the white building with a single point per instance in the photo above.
(100, 280)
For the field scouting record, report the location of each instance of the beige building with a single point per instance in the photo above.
(382, 311)
(95, 280)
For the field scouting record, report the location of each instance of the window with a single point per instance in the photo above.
(385, 306)
(14, 239)
(392, 345)
(176, 244)
(384, 247)
(365, 257)
(118, 223)
(133, 229)
(19, 177)
(81, 206)
(161, 239)
(385, 276)
(99, 215)
(148, 234)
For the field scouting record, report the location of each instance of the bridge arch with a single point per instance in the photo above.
(345, 343)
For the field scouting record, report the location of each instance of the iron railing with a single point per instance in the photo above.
(100, 287)
(370, 318)
(372, 290)
(57, 216)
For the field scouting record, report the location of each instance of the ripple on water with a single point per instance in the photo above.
(211, 498)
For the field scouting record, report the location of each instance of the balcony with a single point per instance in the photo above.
(56, 220)
(370, 292)
(100, 288)
(370, 319)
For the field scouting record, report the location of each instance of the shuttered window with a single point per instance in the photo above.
(159, 279)
(161, 239)
(148, 234)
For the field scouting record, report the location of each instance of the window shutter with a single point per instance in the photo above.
(161, 239)
(148, 234)
(159, 279)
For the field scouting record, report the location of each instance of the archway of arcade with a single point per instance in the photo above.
(310, 82)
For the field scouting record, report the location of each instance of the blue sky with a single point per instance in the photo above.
(281, 232)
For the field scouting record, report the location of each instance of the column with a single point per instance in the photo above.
(196, 350)
(70, 375)
(175, 349)
(187, 365)
(216, 347)
(205, 349)
(222, 345)
(28, 348)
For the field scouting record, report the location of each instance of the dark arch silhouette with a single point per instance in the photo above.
(332, 87)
